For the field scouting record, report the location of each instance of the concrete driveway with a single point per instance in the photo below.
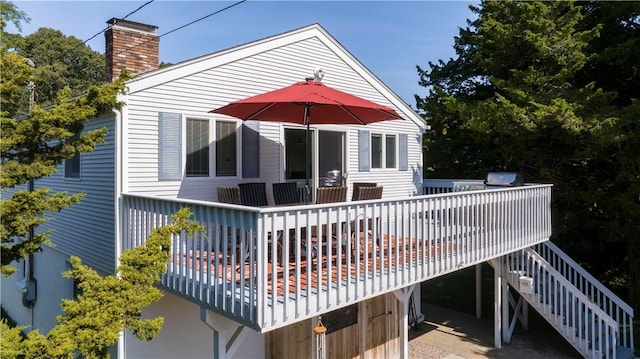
(455, 335)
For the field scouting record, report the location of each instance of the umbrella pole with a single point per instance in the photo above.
(307, 187)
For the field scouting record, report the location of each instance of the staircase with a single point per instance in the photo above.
(589, 316)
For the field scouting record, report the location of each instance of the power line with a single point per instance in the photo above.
(126, 16)
(138, 9)
(204, 17)
(185, 25)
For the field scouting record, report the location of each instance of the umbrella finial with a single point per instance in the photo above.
(318, 74)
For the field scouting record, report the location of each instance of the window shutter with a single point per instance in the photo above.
(169, 146)
(251, 149)
(364, 155)
(403, 147)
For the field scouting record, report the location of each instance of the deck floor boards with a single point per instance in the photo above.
(368, 258)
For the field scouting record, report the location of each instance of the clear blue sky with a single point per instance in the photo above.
(389, 37)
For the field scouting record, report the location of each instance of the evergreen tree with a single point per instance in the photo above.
(528, 91)
(614, 65)
(31, 147)
(35, 143)
(107, 305)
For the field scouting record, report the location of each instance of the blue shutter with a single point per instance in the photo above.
(251, 149)
(169, 146)
(364, 154)
(404, 152)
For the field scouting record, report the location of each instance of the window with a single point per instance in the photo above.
(197, 148)
(390, 151)
(383, 151)
(72, 167)
(376, 150)
(226, 149)
(373, 152)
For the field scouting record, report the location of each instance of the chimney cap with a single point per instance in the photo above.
(132, 25)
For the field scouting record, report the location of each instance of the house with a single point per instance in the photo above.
(257, 285)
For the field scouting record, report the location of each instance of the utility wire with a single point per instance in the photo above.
(204, 17)
(185, 25)
(126, 16)
(138, 9)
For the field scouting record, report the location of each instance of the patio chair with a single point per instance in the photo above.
(285, 193)
(253, 194)
(331, 194)
(325, 195)
(356, 188)
(365, 193)
(229, 195)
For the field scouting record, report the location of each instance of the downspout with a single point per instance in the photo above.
(117, 207)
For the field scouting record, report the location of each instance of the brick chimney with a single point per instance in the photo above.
(130, 45)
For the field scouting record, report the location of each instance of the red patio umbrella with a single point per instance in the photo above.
(305, 103)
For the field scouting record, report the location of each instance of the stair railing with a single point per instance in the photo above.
(597, 292)
(584, 324)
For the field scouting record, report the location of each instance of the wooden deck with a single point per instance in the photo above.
(308, 274)
(231, 267)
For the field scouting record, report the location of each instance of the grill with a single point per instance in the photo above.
(503, 179)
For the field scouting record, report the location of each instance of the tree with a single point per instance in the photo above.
(34, 144)
(614, 65)
(107, 305)
(523, 95)
(31, 147)
(9, 13)
(59, 61)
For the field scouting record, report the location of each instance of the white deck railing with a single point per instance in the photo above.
(270, 267)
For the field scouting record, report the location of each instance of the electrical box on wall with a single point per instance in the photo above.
(29, 293)
(526, 285)
(31, 290)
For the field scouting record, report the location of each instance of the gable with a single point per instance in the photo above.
(279, 61)
(194, 88)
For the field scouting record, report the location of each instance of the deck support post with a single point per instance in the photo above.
(479, 291)
(403, 296)
(505, 302)
(224, 345)
(497, 302)
(417, 306)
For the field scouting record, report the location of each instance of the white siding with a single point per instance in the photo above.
(200, 92)
(87, 229)
(52, 287)
(397, 184)
(184, 335)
